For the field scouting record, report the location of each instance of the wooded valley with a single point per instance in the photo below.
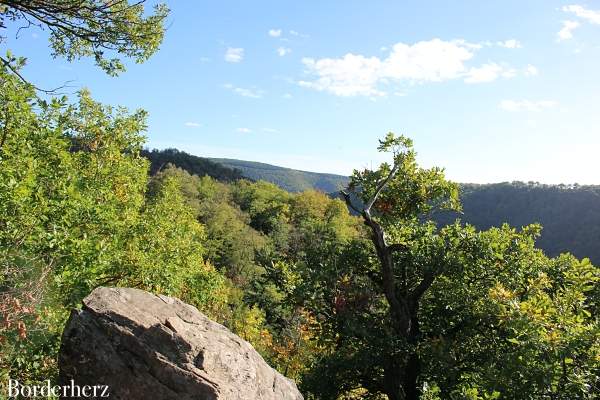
(394, 283)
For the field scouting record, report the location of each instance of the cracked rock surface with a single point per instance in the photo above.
(145, 346)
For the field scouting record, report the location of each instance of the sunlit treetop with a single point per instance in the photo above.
(404, 190)
(106, 30)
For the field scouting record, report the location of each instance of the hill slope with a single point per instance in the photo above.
(570, 215)
(289, 179)
(193, 164)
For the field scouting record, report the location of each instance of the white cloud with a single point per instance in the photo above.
(244, 130)
(245, 92)
(567, 30)
(583, 13)
(234, 54)
(348, 76)
(531, 70)
(287, 96)
(434, 61)
(526, 105)
(193, 124)
(274, 32)
(474, 46)
(296, 33)
(270, 130)
(426, 61)
(489, 73)
(282, 51)
(510, 44)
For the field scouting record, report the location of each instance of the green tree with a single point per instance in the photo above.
(413, 311)
(400, 194)
(74, 215)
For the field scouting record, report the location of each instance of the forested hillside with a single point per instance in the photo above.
(348, 307)
(289, 179)
(379, 303)
(569, 215)
(193, 164)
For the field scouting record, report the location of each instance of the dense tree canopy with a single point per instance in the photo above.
(569, 214)
(415, 311)
(75, 215)
(386, 303)
(379, 303)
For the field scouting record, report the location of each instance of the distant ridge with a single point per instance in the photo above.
(569, 214)
(193, 164)
(292, 180)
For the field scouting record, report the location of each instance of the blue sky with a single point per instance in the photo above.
(491, 91)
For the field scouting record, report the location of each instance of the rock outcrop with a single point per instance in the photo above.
(145, 346)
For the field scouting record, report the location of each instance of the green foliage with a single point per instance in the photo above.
(230, 243)
(386, 305)
(412, 192)
(265, 241)
(103, 30)
(570, 215)
(481, 315)
(266, 204)
(75, 215)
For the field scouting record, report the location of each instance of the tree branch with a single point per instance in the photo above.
(15, 71)
(348, 201)
(380, 188)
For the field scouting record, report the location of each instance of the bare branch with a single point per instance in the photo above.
(380, 188)
(5, 128)
(416, 294)
(15, 71)
(348, 201)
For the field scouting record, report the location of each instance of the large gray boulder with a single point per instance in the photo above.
(145, 346)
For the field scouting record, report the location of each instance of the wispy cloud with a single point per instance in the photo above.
(567, 30)
(282, 51)
(587, 15)
(510, 44)
(590, 16)
(526, 105)
(244, 130)
(193, 124)
(435, 60)
(245, 92)
(234, 54)
(269, 130)
(298, 34)
(274, 32)
(531, 70)
(489, 73)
